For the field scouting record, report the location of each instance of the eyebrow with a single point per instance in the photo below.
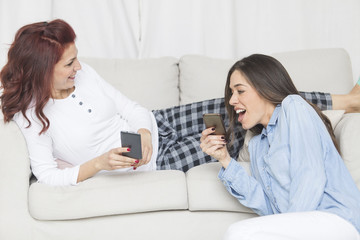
(239, 84)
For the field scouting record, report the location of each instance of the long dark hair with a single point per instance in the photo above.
(27, 76)
(271, 80)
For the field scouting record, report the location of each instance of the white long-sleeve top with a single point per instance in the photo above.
(83, 126)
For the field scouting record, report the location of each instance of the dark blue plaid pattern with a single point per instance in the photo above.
(322, 100)
(180, 130)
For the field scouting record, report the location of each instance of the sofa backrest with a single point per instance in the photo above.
(325, 70)
(165, 82)
(151, 82)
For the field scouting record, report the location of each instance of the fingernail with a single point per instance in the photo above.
(213, 129)
(222, 137)
(128, 149)
(137, 161)
(134, 168)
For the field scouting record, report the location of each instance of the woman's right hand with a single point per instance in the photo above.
(215, 146)
(110, 160)
(114, 159)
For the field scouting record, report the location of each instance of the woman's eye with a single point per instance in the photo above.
(240, 91)
(69, 64)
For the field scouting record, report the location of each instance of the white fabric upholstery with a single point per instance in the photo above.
(153, 83)
(202, 78)
(325, 70)
(347, 134)
(207, 193)
(110, 194)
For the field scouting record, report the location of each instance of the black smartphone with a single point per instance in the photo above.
(132, 141)
(215, 120)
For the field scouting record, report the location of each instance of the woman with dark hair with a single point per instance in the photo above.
(296, 168)
(66, 111)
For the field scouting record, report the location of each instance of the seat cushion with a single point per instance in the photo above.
(207, 193)
(110, 194)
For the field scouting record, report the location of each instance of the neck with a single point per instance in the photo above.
(62, 94)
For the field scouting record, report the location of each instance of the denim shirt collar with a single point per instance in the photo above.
(272, 123)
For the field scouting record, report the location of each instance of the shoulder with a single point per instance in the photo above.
(292, 100)
(86, 76)
(295, 103)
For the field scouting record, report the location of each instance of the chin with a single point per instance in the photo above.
(247, 126)
(244, 126)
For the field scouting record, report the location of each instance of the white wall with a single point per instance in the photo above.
(216, 28)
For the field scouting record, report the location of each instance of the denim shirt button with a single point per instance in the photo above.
(73, 96)
(89, 110)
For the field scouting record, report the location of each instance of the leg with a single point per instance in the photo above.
(322, 100)
(180, 131)
(291, 226)
(349, 102)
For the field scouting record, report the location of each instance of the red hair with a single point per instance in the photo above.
(27, 76)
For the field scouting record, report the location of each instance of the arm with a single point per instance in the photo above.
(45, 168)
(43, 164)
(137, 116)
(246, 189)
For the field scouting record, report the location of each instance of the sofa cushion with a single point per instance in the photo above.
(110, 194)
(202, 77)
(347, 134)
(207, 193)
(153, 83)
(324, 70)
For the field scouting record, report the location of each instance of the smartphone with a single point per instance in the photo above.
(215, 120)
(132, 141)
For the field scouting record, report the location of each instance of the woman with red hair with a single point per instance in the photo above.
(66, 111)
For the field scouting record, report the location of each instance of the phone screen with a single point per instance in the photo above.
(132, 141)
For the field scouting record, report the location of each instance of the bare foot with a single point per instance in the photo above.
(356, 88)
(349, 102)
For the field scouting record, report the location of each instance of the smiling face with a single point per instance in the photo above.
(252, 109)
(64, 73)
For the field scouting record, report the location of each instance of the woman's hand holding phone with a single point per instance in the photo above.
(114, 159)
(146, 146)
(213, 141)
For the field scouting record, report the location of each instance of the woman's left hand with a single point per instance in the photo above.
(146, 147)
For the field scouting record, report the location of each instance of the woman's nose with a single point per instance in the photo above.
(77, 66)
(233, 100)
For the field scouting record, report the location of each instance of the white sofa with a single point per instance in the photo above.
(159, 204)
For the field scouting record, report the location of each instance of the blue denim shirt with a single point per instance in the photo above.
(295, 167)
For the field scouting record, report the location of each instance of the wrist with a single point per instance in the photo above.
(226, 161)
(143, 130)
(96, 162)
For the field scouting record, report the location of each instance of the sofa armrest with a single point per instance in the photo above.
(347, 133)
(14, 182)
